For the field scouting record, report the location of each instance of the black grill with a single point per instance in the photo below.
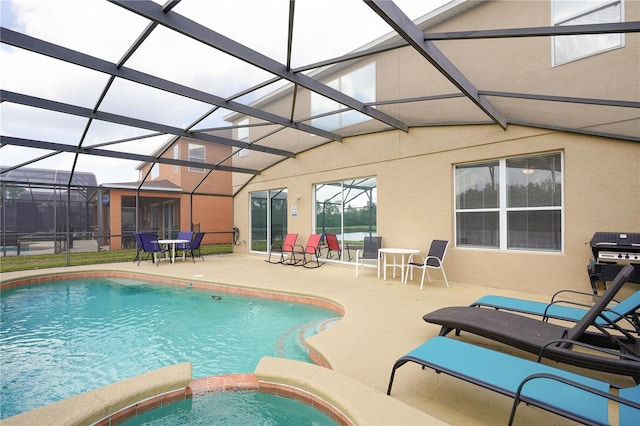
(612, 251)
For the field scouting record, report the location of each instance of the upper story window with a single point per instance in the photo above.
(510, 203)
(243, 136)
(176, 156)
(580, 12)
(359, 84)
(196, 154)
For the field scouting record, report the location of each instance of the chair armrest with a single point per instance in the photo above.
(624, 355)
(569, 383)
(553, 298)
(562, 302)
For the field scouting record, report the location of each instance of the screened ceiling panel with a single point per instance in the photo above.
(456, 109)
(568, 115)
(40, 76)
(256, 160)
(353, 126)
(106, 134)
(288, 139)
(22, 156)
(107, 86)
(142, 146)
(47, 161)
(163, 55)
(35, 123)
(104, 167)
(142, 102)
(76, 24)
(244, 22)
(212, 119)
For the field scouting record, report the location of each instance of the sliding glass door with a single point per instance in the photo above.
(268, 218)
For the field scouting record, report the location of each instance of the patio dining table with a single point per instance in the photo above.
(172, 243)
(401, 252)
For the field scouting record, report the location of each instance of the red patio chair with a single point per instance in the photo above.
(286, 248)
(334, 245)
(311, 251)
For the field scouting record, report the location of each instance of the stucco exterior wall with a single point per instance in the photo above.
(414, 171)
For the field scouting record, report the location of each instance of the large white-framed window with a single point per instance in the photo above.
(579, 12)
(359, 84)
(511, 203)
(197, 154)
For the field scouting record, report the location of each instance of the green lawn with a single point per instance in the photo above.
(39, 261)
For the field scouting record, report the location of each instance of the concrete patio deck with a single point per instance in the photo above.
(383, 321)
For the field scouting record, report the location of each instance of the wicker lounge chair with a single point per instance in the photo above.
(553, 341)
(571, 395)
(567, 310)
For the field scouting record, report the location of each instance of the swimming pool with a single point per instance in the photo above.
(234, 408)
(62, 338)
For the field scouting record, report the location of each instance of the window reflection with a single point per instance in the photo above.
(359, 84)
(347, 208)
(582, 12)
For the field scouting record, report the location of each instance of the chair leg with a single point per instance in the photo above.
(424, 269)
(445, 277)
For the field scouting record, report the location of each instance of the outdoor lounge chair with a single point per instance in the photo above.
(567, 310)
(433, 260)
(571, 395)
(285, 249)
(150, 245)
(535, 336)
(369, 251)
(334, 245)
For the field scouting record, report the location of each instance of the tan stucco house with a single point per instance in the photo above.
(517, 176)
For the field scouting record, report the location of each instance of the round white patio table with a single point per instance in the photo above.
(401, 252)
(173, 243)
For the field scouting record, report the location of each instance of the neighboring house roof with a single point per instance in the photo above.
(152, 185)
(47, 177)
(479, 91)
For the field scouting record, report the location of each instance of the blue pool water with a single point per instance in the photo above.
(65, 337)
(234, 408)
